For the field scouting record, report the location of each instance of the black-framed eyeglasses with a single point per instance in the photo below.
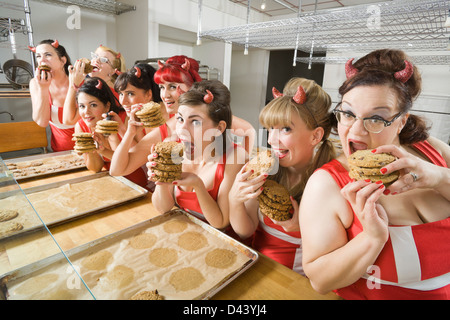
(374, 124)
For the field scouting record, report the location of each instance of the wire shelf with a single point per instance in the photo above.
(406, 23)
(100, 6)
(420, 60)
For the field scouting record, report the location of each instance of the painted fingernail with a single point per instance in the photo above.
(383, 170)
(367, 180)
(379, 182)
(174, 182)
(381, 187)
(386, 192)
(394, 193)
(374, 150)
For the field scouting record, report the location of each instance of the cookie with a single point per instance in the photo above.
(88, 68)
(365, 165)
(186, 279)
(84, 142)
(168, 166)
(9, 227)
(150, 115)
(386, 179)
(107, 127)
(220, 258)
(263, 162)
(147, 295)
(6, 214)
(367, 159)
(169, 149)
(275, 201)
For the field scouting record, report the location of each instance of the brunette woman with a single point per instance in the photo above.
(365, 240)
(48, 90)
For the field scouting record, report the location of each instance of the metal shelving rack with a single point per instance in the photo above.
(403, 24)
(419, 59)
(99, 6)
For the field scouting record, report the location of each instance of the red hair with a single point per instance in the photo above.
(177, 70)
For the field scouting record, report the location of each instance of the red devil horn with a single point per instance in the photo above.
(300, 96)
(118, 55)
(55, 44)
(405, 74)
(350, 70)
(32, 49)
(160, 64)
(187, 65)
(99, 85)
(276, 93)
(138, 72)
(209, 97)
(117, 72)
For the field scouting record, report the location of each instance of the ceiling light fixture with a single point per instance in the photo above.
(263, 5)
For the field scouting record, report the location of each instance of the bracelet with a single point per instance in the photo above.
(76, 87)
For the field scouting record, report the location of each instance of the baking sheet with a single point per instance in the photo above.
(132, 268)
(45, 164)
(67, 200)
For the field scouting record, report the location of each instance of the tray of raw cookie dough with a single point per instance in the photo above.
(44, 164)
(64, 201)
(175, 254)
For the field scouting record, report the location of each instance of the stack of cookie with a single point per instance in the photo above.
(275, 201)
(168, 162)
(365, 165)
(150, 115)
(263, 162)
(107, 127)
(84, 142)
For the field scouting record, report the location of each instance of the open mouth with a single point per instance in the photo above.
(189, 147)
(281, 153)
(354, 145)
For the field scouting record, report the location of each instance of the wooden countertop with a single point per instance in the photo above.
(265, 280)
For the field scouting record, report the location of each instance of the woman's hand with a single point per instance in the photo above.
(43, 78)
(363, 197)
(76, 74)
(414, 172)
(292, 224)
(244, 189)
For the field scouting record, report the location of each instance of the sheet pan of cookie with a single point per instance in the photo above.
(67, 200)
(44, 164)
(176, 254)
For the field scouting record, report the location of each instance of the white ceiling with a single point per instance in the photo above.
(286, 7)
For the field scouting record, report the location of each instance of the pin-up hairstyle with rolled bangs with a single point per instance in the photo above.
(118, 63)
(178, 69)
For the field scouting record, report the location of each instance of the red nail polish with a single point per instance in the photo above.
(394, 193)
(381, 187)
(386, 192)
(367, 180)
(174, 182)
(383, 170)
(379, 182)
(374, 150)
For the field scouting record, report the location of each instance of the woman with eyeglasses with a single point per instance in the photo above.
(106, 63)
(364, 240)
(48, 90)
